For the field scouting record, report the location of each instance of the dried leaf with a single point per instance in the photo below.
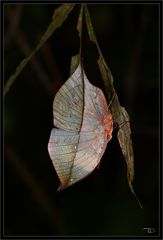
(119, 114)
(125, 141)
(84, 127)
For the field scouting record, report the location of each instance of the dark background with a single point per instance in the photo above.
(102, 203)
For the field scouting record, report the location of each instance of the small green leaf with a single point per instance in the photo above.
(61, 14)
(74, 63)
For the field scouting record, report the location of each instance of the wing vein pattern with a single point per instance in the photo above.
(78, 140)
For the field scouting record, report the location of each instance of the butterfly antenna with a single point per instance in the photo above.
(111, 101)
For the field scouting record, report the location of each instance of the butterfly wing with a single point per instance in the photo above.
(77, 146)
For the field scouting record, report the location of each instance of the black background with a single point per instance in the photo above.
(102, 203)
